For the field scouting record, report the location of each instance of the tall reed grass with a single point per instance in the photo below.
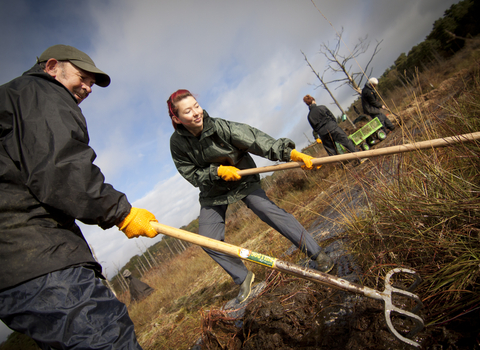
(424, 210)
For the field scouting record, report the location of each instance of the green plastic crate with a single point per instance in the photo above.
(368, 129)
(359, 136)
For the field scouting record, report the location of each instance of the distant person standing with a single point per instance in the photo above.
(138, 289)
(325, 126)
(49, 282)
(371, 105)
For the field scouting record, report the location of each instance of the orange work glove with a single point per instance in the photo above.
(137, 224)
(300, 157)
(319, 141)
(228, 173)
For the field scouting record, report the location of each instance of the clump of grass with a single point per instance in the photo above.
(425, 212)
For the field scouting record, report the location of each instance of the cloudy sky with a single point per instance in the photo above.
(242, 59)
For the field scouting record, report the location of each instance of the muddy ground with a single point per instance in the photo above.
(303, 315)
(290, 313)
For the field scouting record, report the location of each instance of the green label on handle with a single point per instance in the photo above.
(257, 257)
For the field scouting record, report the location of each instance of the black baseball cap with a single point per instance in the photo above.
(77, 58)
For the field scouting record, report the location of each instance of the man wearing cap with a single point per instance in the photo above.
(49, 284)
(371, 105)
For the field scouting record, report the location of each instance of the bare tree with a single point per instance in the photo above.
(144, 256)
(106, 278)
(340, 63)
(325, 86)
(182, 247)
(120, 278)
(140, 270)
(155, 262)
(171, 251)
(183, 244)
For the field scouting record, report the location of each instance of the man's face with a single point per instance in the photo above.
(76, 80)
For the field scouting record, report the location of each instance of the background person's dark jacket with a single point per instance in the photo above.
(224, 142)
(319, 117)
(370, 102)
(138, 289)
(47, 180)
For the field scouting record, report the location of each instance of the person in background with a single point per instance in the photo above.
(138, 290)
(325, 127)
(208, 152)
(50, 286)
(372, 106)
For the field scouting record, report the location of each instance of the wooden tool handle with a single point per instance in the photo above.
(265, 260)
(447, 141)
(194, 238)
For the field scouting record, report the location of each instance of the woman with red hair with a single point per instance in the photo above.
(208, 152)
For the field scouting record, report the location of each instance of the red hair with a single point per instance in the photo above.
(308, 100)
(173, 99)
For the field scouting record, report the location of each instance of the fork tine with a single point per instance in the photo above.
(389, 307)
(417, 320)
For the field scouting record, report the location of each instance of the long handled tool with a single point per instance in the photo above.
(448, 141)
(316, 276)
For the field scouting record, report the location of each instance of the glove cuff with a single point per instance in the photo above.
(137, 223)
(128, 219)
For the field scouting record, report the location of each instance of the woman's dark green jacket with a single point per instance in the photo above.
(223, 142)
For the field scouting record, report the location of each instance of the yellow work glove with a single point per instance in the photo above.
(319, 141)
(300, 157)
(137, 223)
(228, 173)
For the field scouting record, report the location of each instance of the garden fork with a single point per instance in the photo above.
(317, 276)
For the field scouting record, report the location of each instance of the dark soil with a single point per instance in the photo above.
(297, 314)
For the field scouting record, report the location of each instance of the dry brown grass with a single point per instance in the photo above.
(425, 211)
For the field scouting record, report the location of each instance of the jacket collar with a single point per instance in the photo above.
(37, 71)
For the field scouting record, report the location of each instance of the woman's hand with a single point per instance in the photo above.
(300, 157)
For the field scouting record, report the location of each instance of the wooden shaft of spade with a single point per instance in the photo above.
(429, 144)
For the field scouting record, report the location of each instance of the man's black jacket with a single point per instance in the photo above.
(47, 180)
(370, 102)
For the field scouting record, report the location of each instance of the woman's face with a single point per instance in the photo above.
(190, 115)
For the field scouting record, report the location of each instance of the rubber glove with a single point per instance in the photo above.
(228, 173)
(300, 157)
(137, 223)
(319, 141)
